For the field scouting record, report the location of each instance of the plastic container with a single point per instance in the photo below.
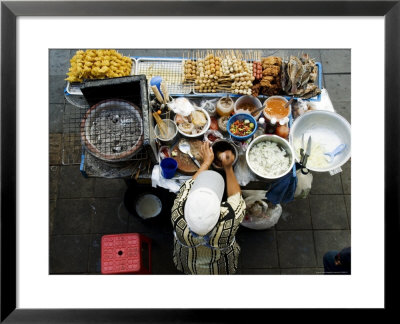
(243, 100)
(269, 117)
(241, 117)
(225, 106)
(171, 133)
(168, 168)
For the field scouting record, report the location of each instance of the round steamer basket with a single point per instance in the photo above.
(105, 143)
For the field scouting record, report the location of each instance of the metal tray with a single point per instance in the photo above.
(74, 89)
(170, 69)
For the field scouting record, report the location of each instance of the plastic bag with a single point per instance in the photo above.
(260, 214)
(242, 171)
(304, 182)
(209, 106)
(214, 133)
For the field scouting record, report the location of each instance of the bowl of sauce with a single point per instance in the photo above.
(274, 108)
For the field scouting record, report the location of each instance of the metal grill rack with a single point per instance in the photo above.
(171, 71)
(73, 140)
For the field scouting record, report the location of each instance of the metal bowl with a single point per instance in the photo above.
(282, 143)
(328, 130)
(223, 145)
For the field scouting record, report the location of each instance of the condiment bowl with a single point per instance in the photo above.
(241, 117)
(268, 116)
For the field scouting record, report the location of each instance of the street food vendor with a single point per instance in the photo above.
(204, 225)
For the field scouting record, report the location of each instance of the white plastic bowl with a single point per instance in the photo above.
(205, 128)
(326, 128)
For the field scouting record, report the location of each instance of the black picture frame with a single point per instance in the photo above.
(10, 10)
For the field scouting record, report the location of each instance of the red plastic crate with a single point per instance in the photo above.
(124, 253)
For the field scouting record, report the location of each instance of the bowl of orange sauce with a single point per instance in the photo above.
(274, 108)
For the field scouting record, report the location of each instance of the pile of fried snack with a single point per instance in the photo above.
(98, 64)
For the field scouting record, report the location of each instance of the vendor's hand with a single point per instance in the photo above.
(227, 158)
(207, 153)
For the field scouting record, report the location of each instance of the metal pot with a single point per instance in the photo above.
(221, 145)
(281, 143)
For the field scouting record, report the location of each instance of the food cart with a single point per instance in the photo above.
(124, 120)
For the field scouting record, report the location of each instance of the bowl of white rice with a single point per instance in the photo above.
(270, 157)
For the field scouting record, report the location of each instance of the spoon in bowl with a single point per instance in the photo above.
(331, 155)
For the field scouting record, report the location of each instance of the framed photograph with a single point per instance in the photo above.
(38, 39)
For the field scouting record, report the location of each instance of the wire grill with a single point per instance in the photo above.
(171, 71)
(113, 136)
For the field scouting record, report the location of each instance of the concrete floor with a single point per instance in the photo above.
(84, 209)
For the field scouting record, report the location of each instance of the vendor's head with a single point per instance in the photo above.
(203, 205)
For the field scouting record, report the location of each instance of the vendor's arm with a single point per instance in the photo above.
(232, 186)
(208, 157)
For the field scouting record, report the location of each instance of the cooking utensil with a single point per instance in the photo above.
(305, 155)
(331, 155)
(184, 147)
(288, 103)
(255, 112)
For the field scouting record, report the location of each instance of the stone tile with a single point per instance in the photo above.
(69, 254)
(109, 187)
(94, 265)
(107, 216)
(59, 61)
(302, 271)
(296, 249)
(328, 212)
(52, 211)
(55, 148)
(53, 183)
(258, 248)
(336, 60)
(285, 54)
(347, 200)
(161, 253)
(57, 85)
(73, 184)
(343, 108)
(338, 86)
(324, 183)
(295, 215)
(56, 114)
(264, 271)
(330, 240)
(73, 216)
(346, 177)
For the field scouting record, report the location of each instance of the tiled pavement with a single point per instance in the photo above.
(83, 209)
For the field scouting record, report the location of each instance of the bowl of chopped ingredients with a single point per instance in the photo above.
(270, 157)
(241, 126)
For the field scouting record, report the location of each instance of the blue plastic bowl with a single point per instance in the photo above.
(241, 117)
